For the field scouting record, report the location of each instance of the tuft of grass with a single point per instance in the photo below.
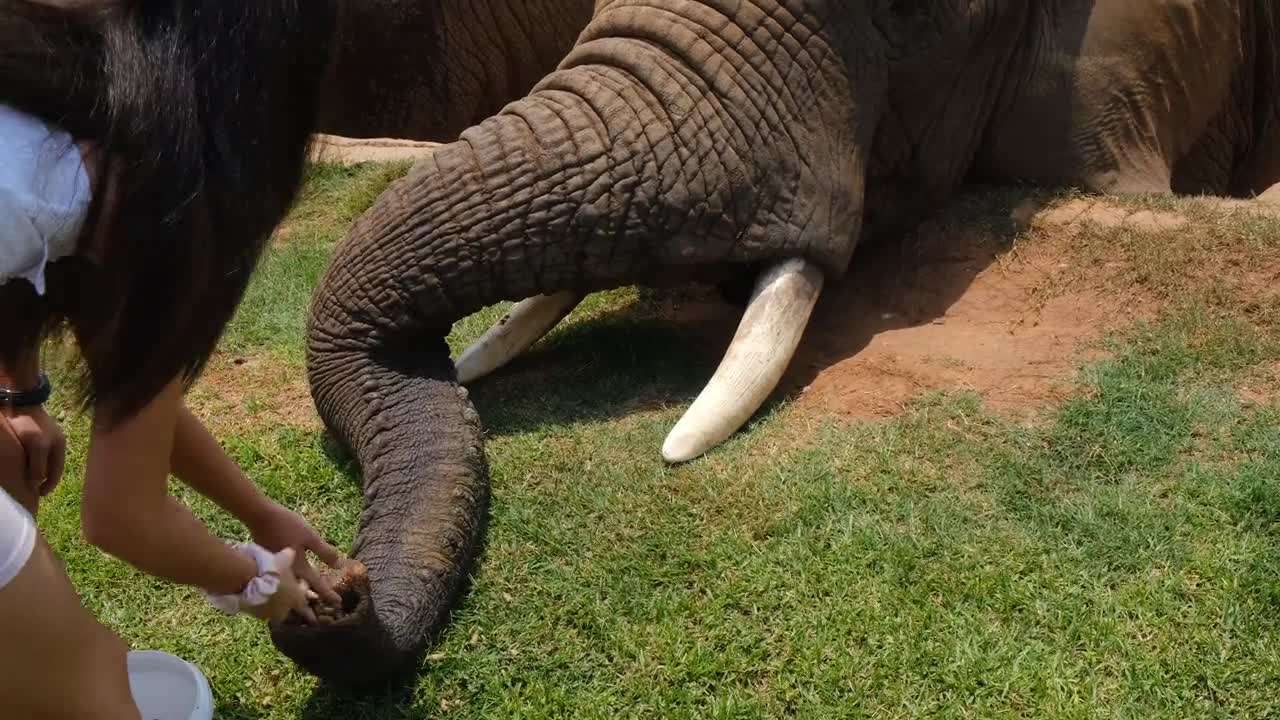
(1118, 558)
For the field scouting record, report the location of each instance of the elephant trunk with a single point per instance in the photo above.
(440, 243)
(629, 164)
(418, 440)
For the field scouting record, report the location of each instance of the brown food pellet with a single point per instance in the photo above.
(350, 583)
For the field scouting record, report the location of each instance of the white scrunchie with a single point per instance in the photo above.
(259, 590)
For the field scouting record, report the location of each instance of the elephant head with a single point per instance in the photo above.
(428, 69)
(677, 141)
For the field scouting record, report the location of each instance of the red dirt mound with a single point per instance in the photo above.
(950, 313)
(960, 306)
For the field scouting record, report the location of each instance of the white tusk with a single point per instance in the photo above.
(522, 326)
(766, 339)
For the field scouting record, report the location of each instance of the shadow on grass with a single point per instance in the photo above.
(634, 358)
(662, 349)
(394, 695)
(393, 702)
(909, 280)
(342, 459)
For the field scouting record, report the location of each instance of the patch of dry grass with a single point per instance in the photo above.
(1220, 253)
(241, 393)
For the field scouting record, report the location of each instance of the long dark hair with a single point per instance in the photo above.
(206, 107)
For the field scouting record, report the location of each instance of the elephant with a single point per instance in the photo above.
(681, 141)
(428, 69)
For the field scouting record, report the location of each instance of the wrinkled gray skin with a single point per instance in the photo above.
(425, 70)
(686, 140)
(429, 69)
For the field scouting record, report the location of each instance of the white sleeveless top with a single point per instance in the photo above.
(44, 196)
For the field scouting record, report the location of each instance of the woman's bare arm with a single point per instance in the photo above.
(201, 463)
(128, 512)
(22, 374)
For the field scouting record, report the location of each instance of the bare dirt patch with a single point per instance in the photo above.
(337, 149)
(1262, 387)
(236, 391)
(1010, 305)
(958, 311)
(1009, 308)
(1010, 311)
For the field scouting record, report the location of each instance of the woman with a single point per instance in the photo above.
(147, 150)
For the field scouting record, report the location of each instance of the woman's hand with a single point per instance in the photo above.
(200, 462)
(45, 445)
(278, 527)
(40, 436)
(13, 459)
(290, 596)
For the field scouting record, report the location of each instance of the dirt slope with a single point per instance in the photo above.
(1002, 295)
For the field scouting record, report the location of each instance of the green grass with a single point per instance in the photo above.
(272, 314)
(1118, 558)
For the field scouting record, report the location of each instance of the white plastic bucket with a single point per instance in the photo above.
(166, 687)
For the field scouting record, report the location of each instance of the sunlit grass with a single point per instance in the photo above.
(1119, 557)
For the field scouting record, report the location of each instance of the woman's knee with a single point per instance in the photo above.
(42, 618)
(98, 668)
(105, 681)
